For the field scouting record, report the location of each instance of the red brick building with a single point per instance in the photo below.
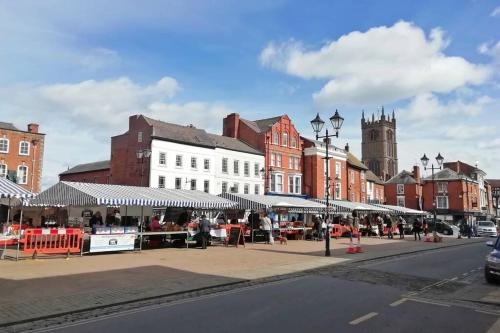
(21, 155)
(314, 167)
(405, 189)
(457, 195)
(282, 147)
(356, 178)
(96, 172)
(374, 188)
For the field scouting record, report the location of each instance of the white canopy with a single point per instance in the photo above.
(340, 206)
(9, 189)
(89, 194)
(402, 210)
(261, 202)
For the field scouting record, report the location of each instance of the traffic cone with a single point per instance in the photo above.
(358, 246)
(352, 249)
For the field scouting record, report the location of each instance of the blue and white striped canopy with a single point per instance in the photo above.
(89, 194)
(9, 189)
(402, 210)
(262, 202)
(341, 206)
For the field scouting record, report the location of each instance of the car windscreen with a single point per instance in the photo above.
(486, 224)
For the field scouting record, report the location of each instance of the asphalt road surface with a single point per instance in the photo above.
(394, 295)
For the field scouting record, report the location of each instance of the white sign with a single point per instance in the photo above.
(105, 243)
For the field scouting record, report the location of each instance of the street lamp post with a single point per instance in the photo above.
(317, 125)
(141, 155)
(425, 161)
(266, 175)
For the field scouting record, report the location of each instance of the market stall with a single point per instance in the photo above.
(404, 211)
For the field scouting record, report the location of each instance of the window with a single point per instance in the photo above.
(162, 159)
(363, 186)
(442, 187)
(276, 182)
(294, 184)
(206, 186)
(442, 202)
(224, 165)
(285, 139)
(298, 189)
(3, 170)
(353, 197)
(178, 183)
(291, 160)
(24, 148)
(401, 200)
(257, 189)
(297, 163)
(206, 164)
(178, 161)
(161, 181)
(400, 189)
(246, 169)
(139, 136)
(294, 142)
(246, 189)
(362, 175)
(278, 160)
(351, 175)
(276, 138)
(235, 188)
(374, 135)
(273, 159)
(338, 170)
(224, 187)
(193, 184)
(290, 184)
(194, 163)
(236, 166)
(256, 169)
(22, 174)
(4, 145)
(337, 191)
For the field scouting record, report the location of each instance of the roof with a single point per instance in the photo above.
(448, 174)
(371, 177)
(494, 182)
(350, 206)
(9, 189)
(261, 125)
(88, 194)
(87, 167)
(404, 177)
(198, 137)
(355, 162)
(402, 210)
(8, 126)
(261, 202)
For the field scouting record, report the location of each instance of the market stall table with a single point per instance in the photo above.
(158, 233)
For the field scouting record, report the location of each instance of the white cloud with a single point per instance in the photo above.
(491, 49)
(495, 12)
(382, 64)
(464, 132)
(79, 118)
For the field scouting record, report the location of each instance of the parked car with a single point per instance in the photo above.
(492, 265)
(441, 227)
(486, 228)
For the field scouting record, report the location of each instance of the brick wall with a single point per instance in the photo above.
(461, 196)
(96, 176)
(314, 176)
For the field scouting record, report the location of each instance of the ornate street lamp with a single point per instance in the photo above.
(425, 162)
(317, 124)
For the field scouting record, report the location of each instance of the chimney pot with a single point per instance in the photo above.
(33, 128)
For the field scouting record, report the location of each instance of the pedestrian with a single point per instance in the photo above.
(425, 226)
(416, 229)
(323, 229)
(266, 226)
(388, 223)
(401, 223)
(95, 220)
(204, 230)
(380, 226)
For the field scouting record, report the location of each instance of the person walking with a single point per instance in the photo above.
(380, 226)
(425, 227)
(388, 223)
(401, 223)
(266, 225)
(416, 229)
(204, 230)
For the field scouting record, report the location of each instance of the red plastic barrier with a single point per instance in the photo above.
(336, 230)
(52, 241)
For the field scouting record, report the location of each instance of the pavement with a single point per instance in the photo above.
(32, 289)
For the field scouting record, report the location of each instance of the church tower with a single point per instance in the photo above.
(378, 145)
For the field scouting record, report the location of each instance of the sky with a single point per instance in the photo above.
(80, 69)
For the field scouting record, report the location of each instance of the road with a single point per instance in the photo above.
(437, 291)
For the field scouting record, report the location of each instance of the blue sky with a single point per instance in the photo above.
(80, 68)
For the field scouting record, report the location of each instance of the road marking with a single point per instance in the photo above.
(493, 313)
(401, 301)
(363, 318)
(454, 278)
(428, 302)
(495, 328)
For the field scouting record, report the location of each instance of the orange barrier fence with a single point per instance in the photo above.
(52, 241)
(336, 230)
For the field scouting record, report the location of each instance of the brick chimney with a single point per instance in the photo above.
(416, 173)
(33, 128)
(231, 125)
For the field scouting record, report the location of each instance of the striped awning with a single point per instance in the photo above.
(89, 194)
(262, 202)
(341, 206)
(402, 210)
(9, 189)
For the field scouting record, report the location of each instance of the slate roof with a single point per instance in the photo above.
(404, 177)
(261, 125)
(355, 162)
(448, 174)
(494, 182)
(370, 176)
(86, 167)
(198, 137)
(8, 126)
